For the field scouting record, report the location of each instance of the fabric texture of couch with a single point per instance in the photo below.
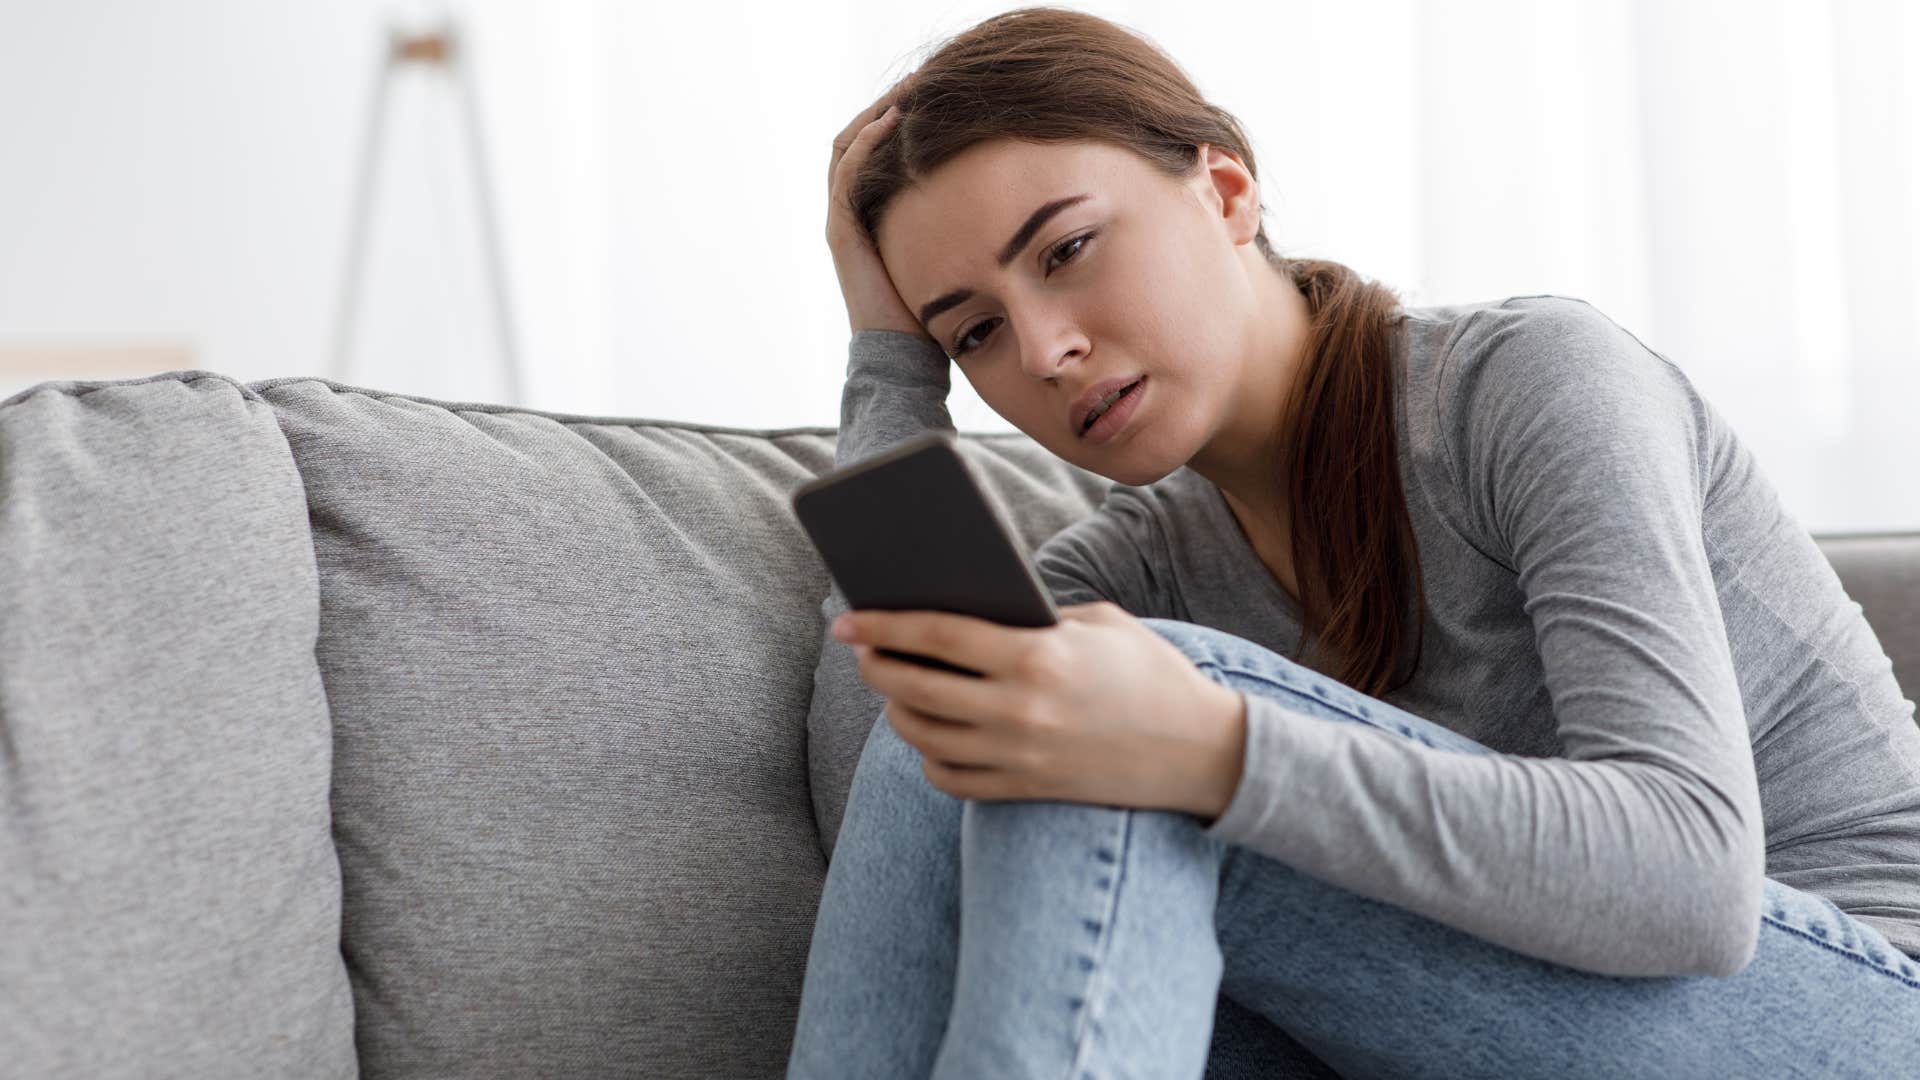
(355, 733)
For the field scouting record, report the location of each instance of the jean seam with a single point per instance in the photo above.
(1327, 702)
(1848, 953)
(1095, 993)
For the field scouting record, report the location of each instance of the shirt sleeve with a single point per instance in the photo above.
(1117, 554)
(1581, 462)
(896, 389)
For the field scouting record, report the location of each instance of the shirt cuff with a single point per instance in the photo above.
(900, 358)
(1255, 797)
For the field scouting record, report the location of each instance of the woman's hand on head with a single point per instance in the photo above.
(872, 301)
(1097, 708)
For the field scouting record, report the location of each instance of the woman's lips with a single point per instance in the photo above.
(1092, 396)
(1114, 419)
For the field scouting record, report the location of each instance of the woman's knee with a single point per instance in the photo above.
(898, 765)
(1191, 638)
(887, 754)
(1213, 650)
(890, 794)
(1245, 665)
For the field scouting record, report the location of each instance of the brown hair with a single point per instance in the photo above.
(1053, 74)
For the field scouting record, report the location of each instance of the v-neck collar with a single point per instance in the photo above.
(1249, 564)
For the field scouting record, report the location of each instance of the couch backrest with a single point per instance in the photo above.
(569, 661)
(567, 665)
(1881, 572)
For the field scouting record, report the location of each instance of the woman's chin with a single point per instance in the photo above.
(1135, 466)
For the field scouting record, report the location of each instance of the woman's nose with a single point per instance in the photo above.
(1052, 344)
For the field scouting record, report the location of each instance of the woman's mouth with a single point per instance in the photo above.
(1107, 424)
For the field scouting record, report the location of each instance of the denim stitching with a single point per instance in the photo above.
(1094, 996)
(1848, 953)
(1358, 714)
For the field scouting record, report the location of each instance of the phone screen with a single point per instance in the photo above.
(913, 529)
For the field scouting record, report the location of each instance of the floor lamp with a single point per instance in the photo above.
(438, 49)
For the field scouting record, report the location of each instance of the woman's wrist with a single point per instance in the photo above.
(1226, 710)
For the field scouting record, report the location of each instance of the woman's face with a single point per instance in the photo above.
(1112, 269)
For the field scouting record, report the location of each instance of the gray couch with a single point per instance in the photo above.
(345, 732)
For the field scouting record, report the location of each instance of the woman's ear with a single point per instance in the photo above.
(1229, 192)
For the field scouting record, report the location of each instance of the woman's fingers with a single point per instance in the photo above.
(956, 698)
(942, 740)
(869, 114)
(845, 140)
(873, 302)
(855, 153)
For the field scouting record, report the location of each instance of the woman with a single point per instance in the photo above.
(1586, 766)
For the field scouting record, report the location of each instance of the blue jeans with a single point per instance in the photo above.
(967, 939)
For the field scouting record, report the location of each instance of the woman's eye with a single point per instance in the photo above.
(960, 344)
(1076, 244)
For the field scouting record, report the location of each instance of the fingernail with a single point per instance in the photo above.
(891, 109)
(842, 629)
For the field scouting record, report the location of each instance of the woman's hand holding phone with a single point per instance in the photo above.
(872, 301)
(1097, 708)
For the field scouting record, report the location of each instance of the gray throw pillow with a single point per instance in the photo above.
(169, 893)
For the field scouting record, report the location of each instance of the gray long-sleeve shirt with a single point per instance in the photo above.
(1682, 694)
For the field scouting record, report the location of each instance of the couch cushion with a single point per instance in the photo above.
(569, 661)
(169, 896)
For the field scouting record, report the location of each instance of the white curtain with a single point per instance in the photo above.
(1735, 181)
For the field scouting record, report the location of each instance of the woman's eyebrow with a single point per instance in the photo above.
(1015, 246)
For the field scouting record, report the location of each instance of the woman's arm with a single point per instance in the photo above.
(896, 389)
(1583, 460)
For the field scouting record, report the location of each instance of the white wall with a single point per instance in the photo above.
(184, 171)
(1736, 182)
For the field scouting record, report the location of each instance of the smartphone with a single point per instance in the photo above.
(912, 529)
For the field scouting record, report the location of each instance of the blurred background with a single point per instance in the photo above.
(616, 208)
